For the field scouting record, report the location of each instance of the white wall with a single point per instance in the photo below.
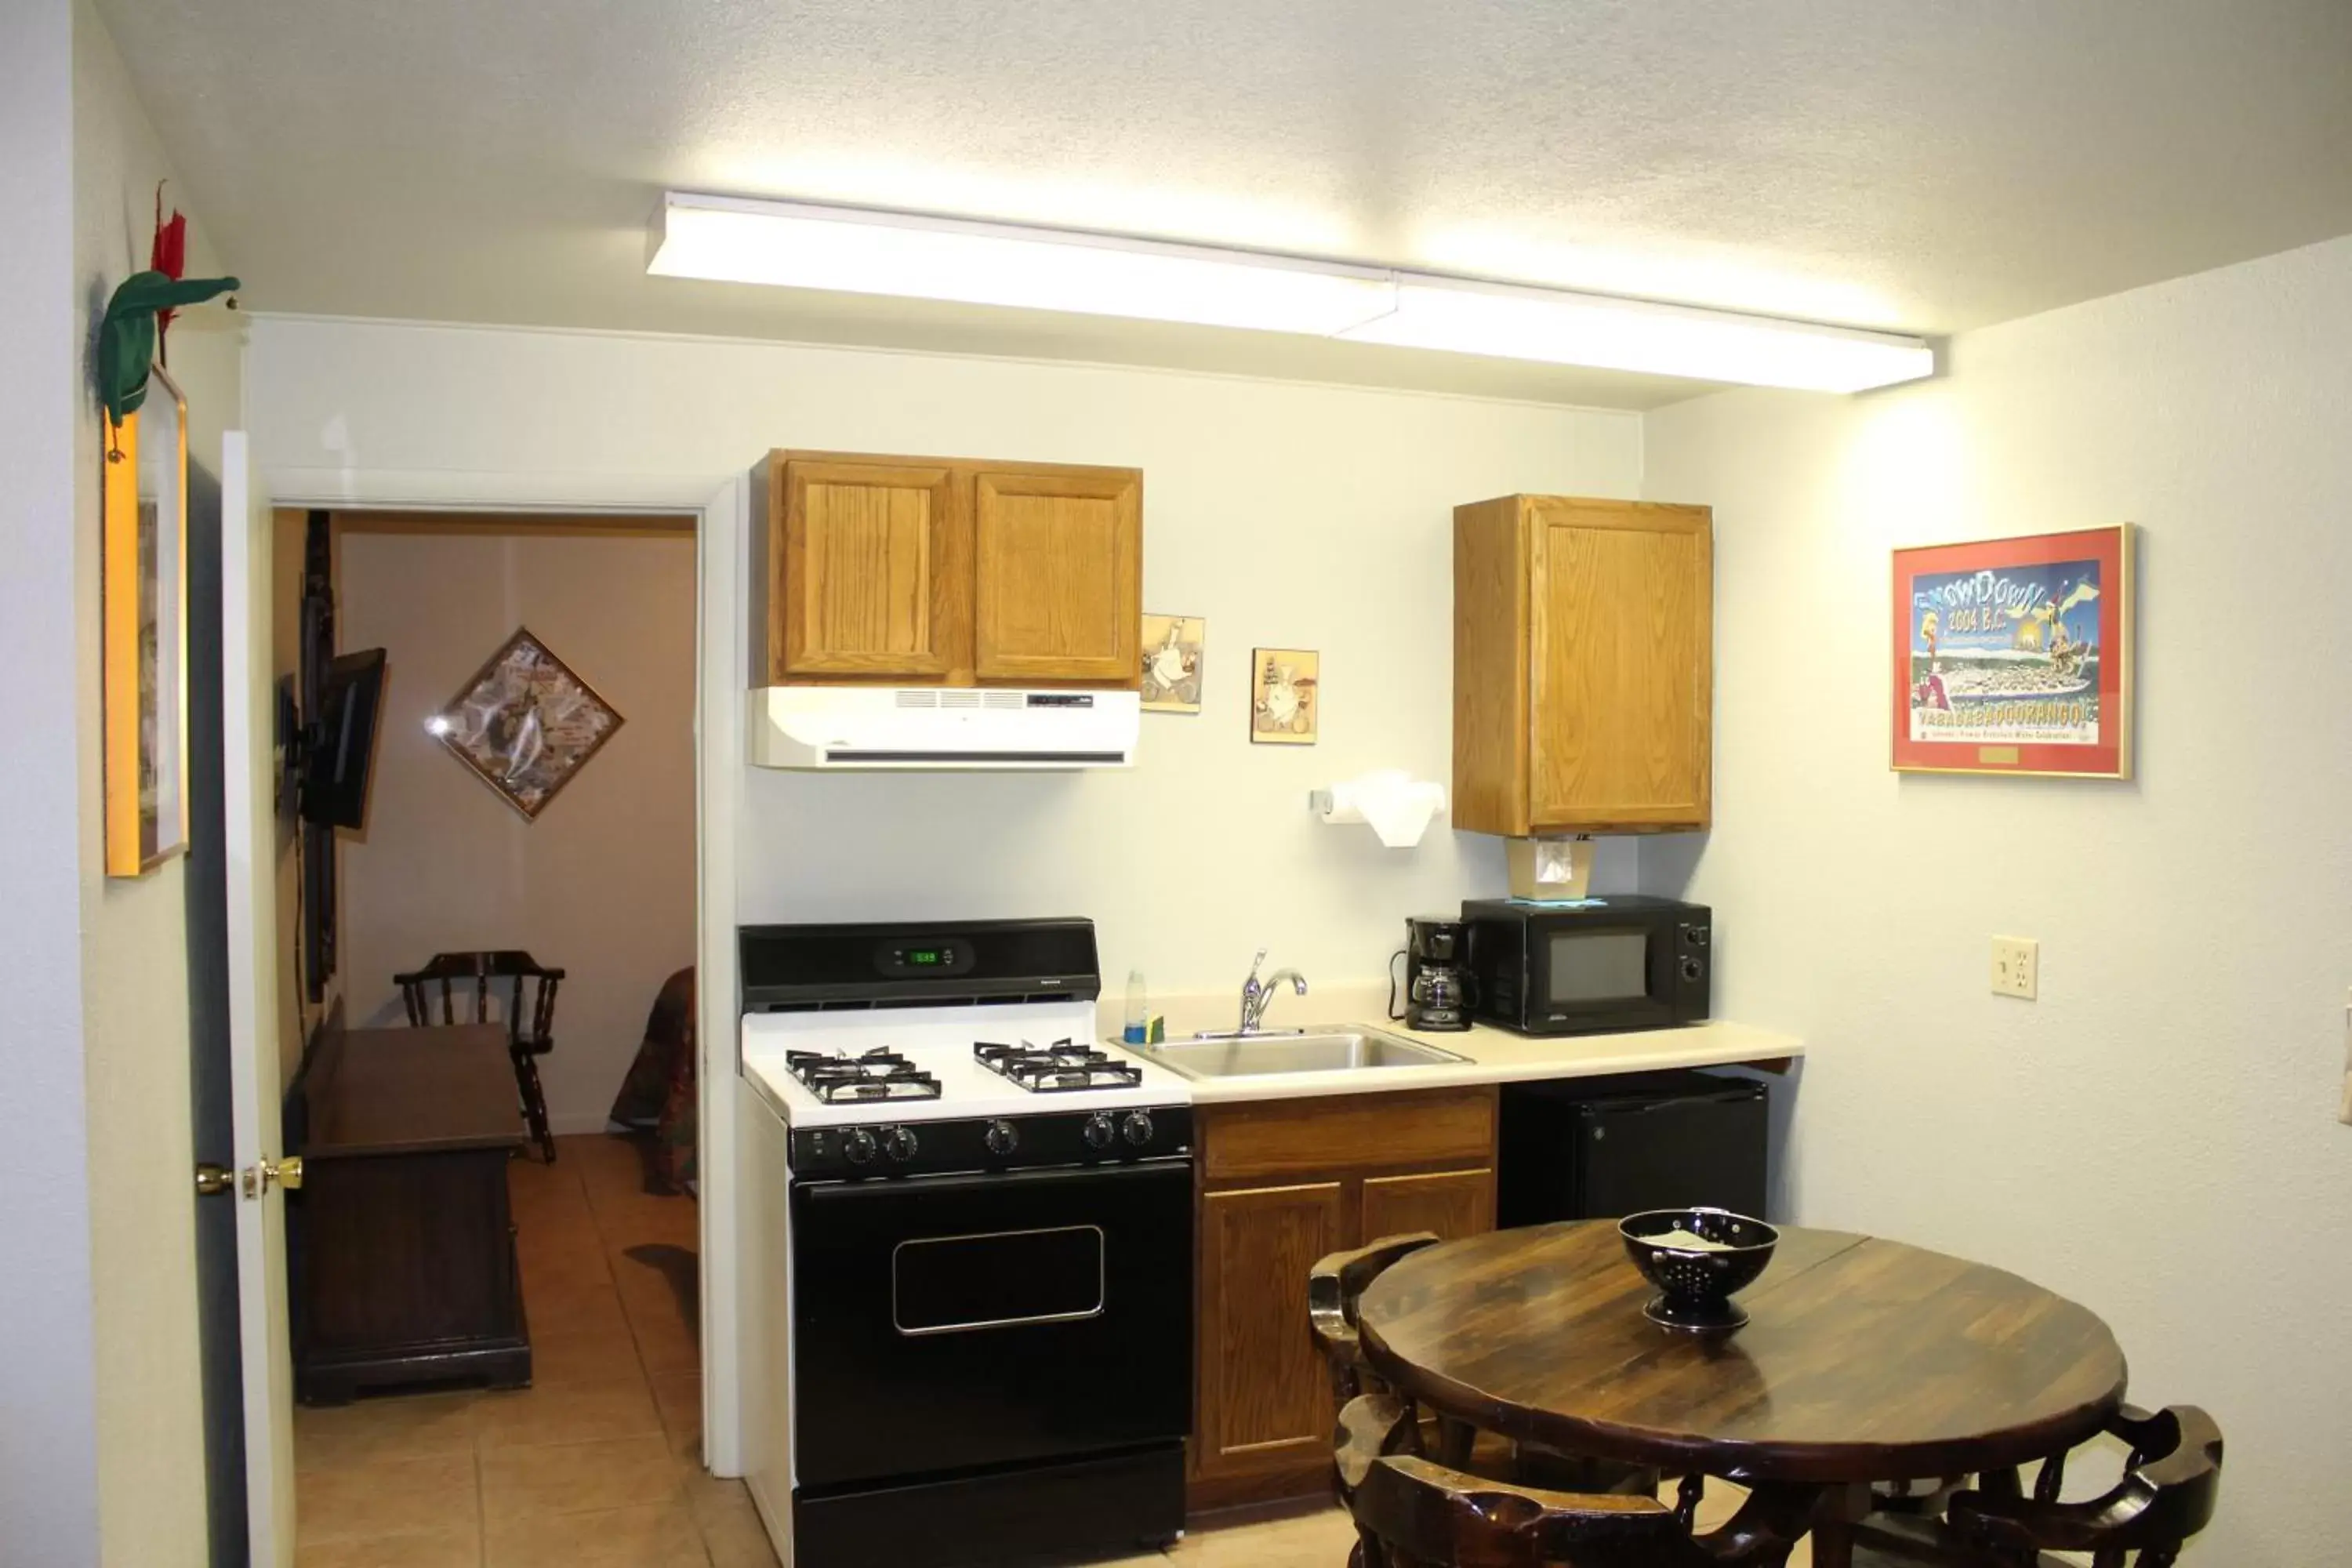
(601, 883)
(1288, 515)
(2156, 1136)
(49, 1454)
(134, 933)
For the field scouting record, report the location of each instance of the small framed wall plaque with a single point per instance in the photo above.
(525, 724)
(1172, 648)
(1286, 696)
(2013, 655)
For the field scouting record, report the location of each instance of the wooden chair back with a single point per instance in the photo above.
(528, 997)
(1412, 1512)
(1334, 1286)
(2168, 1493)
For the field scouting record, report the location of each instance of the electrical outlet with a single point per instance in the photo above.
(2016, 965)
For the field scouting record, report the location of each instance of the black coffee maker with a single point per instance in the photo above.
(1436, 985)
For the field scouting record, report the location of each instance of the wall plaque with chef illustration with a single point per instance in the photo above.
(1171, 663)
(2013, 655)
(1285, 699)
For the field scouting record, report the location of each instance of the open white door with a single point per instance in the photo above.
(247, 726)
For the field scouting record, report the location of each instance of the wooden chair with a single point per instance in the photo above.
(2167, 1493)
(1412, 1512)
(529, 1004)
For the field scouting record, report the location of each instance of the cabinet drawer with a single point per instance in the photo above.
(1384, 1131)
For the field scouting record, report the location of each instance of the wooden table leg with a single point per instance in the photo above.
(1833, 1545)
(1839, 1509)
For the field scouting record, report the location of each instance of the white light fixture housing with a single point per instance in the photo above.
(805, 245)
(801, 246)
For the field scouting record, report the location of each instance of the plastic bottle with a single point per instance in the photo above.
(1138, 1010)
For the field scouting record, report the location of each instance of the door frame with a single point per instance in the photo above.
(720, 504)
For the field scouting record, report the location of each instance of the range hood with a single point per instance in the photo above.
(941, 727)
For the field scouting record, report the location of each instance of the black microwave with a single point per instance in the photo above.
(1588, 968)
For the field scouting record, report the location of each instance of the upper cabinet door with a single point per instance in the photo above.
(1620, 663)
(1058, 565)
(873, 577)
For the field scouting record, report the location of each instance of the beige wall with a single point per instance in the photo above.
(1288, 515)
(603, 883)
(2156, 1135)
(135, 1036)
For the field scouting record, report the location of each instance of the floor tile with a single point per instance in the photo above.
(732, 1529)
(658, 1536)
(574, 1313)
(678, 1396)
(384, 1427)
(383, 1498)
(432, 1549)
(586, 1355)
(577, 1478)
(580, 1412)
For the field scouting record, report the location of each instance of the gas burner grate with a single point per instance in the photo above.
(1062, 1068)
(880, 1074)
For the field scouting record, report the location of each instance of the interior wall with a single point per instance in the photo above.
(49, 1453)
(2157, 1136)
(1288, 515)
(601, 883)
(134, 953)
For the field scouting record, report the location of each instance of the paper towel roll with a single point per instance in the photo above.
(1397, 806)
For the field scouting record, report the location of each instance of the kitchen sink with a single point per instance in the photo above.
(1341, 1049)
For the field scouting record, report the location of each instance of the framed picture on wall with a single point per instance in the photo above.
(143, 630)
(526, 724)
(1286, 696)
(2013, 655)
(1173, 663)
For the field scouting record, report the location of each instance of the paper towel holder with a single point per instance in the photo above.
(1431, 797)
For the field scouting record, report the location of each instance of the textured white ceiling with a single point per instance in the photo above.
(1926, 165)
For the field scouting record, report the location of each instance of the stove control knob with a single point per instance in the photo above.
(1002, 1138)
(859, 1145)
(1137, 1128)
(899, 1142)
(1099, 1131)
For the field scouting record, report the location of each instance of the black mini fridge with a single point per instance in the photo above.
(1605, 1148)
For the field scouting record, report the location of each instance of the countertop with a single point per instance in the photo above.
(1492, 1056)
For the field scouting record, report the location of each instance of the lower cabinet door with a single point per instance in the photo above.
(1453, 1204)
(1265, 1400)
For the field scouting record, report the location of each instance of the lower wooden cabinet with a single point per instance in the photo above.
(1284, 1183)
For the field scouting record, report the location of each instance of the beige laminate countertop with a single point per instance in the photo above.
(1498, 1055)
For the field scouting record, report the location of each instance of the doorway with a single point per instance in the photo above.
(591, 868)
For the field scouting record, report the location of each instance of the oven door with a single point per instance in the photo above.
(955, 1323)
(1587, 976)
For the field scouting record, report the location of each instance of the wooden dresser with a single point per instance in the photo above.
(400, 1245)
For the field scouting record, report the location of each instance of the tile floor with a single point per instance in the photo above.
(597, 1465)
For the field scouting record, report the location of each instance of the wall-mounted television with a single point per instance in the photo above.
(338, 742)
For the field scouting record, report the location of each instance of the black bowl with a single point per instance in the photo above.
(1695, 1286)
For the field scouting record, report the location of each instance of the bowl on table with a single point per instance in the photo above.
(1698, 1258)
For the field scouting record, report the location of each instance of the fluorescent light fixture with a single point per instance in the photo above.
(802, 246)
(1628, 334)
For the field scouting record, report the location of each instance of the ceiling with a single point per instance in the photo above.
(1923, 165)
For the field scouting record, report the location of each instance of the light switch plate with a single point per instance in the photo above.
(2016, 966)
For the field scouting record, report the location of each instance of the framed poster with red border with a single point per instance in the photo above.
(2013, 655)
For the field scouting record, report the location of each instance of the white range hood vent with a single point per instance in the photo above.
(941, 727)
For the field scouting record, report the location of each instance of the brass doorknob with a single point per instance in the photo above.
(289, 1172)
(214, 1180)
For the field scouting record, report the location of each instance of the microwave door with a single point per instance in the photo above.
(1603, 976)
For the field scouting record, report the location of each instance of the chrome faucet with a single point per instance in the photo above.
(1257, 993)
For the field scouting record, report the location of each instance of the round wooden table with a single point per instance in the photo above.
(1863, 1360)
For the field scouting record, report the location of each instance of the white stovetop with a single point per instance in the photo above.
(938, 1041)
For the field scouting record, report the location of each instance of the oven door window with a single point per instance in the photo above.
(959, 1284)
(1592, 968)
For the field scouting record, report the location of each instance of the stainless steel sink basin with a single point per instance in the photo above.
(1341, 1049)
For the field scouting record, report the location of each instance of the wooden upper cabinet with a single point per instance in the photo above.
(1058, 556)
(867, 576)
(1583, 673)
(937, 570)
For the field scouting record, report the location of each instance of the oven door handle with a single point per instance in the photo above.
(832, 1194)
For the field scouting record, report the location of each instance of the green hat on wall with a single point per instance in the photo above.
(126, 338)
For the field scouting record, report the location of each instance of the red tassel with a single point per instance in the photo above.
(168, 255)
